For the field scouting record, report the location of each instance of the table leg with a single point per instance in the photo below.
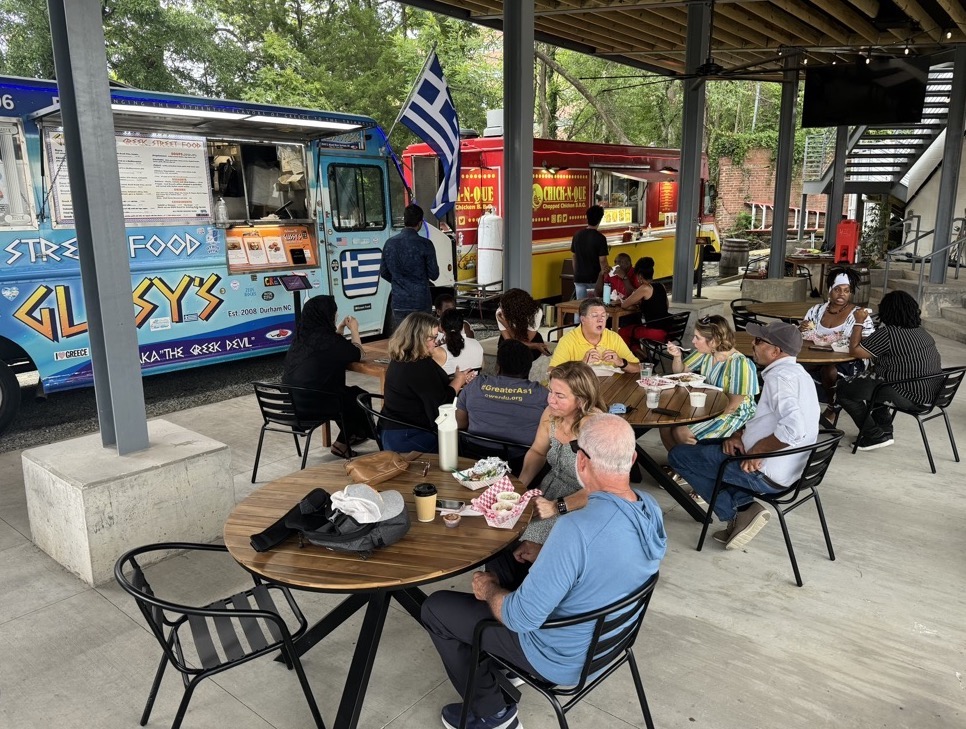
(345, 610)
(357, 682)
(668, 484)
(412, 600)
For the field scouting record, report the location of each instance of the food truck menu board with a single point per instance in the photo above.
(269, 246)
(163, 178)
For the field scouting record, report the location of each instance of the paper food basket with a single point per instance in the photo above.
(502, 519)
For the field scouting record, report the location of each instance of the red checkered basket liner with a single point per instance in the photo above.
(502, 519)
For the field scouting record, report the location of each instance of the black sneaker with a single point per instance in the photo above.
(506, 719)
(865, 443)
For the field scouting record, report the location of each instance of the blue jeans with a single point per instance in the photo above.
(699, 463)
(404, 440)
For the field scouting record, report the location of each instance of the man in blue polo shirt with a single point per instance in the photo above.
(574, 572)
(409, 264)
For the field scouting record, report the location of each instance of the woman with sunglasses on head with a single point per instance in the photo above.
(574, 395)
(722, 366)
(833, 321)
(416, 385)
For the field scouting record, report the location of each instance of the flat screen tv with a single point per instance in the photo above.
(880, 93)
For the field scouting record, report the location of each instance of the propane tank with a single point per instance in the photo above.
(446, 428)
(489, 266)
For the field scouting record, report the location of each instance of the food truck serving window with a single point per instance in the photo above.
(15, 210)
(358, 197)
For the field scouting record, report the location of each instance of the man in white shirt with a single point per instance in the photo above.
(786, 417)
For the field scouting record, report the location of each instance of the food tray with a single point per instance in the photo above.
(465, 477)
(506, 519)
(687, 379)
(661, 383)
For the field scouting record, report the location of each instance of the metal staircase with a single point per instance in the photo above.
(879, 158)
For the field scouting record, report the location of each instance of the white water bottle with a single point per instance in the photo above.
(221, 213)
(606, 293)
(448, 440)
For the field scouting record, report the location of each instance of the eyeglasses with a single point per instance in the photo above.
(704, 321)
(759, 340)
(575, 447)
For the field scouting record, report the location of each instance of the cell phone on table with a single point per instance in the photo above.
(665, 411)
(449, 504)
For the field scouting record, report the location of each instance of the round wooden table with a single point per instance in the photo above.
(429, 552)
(782, 309)
(811, 354)
(625, 389)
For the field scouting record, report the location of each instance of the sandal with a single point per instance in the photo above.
(341, 450)
(831, 415)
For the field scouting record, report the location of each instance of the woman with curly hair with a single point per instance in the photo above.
(519, 317)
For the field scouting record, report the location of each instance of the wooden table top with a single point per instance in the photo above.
(378, 350)
(429, 552)
(782, 309)
(624, 388)
(614, 313)
(810, 354)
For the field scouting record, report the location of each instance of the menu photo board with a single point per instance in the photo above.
(269, 246)
(163, 177)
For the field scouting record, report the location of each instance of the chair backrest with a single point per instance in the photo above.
(740, 306)
(298, 408)
(472, 445)
(375, 418)
(556, 333)
(740, 314)
(676, 324)
(951, 383)
(615, 630)
(819, 459)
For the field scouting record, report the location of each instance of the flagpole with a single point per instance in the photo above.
(412, 90)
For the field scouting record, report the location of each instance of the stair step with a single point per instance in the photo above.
(955, 314)
(945, 328)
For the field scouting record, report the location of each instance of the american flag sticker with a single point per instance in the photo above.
(360, 271)
(342, 241)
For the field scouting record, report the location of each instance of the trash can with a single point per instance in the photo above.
(567, 280)
(734, 255)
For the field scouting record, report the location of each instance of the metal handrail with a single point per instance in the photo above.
(959, 244)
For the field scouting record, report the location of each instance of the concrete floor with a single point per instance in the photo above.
(874, 639)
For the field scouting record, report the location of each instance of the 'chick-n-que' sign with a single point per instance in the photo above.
(560, 199)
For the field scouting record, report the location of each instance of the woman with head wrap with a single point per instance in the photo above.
(318, 358)
(831, 322)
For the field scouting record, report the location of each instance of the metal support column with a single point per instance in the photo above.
(949, 177)
(783, 166)
(692, 143)
(833, 210)
(518, 141)
(803, 218)
(81, 64)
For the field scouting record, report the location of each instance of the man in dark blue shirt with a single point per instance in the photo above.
(409, 264)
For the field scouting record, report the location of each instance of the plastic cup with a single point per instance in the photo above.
(425, 496)
(698, 398)
(647, 369)
(653, 397)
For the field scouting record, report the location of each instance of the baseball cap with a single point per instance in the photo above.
(366, 505)
(783, 335)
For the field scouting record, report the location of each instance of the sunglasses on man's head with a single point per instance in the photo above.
(575, 447)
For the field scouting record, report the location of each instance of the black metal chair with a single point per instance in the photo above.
(299, 411)
(556, 333)
(615, 630)
(203, 641)
(791, 497)
(951, 378)
(675, 326)
(375, 417)
(472, 445)
(740, 314)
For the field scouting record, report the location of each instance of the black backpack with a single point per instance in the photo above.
(314, 520)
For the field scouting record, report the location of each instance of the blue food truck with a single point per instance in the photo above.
(224, 202)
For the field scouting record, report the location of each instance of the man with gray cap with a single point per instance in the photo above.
(786, 417)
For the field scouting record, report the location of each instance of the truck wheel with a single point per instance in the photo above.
(9, 396)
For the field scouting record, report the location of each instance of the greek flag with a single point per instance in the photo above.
(360, 271)
(429, 112)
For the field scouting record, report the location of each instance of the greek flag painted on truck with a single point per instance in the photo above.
(222, 202)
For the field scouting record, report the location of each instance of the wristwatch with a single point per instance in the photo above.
(623, 364)
(561, 506)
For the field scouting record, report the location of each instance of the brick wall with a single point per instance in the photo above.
(754, 181)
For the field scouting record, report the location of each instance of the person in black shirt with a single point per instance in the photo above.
(651, 300)
(899, 349)
(318, 358)
(416, 385)
(589, 249)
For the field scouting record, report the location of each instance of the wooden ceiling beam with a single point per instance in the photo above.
(915, 11)
(780, 31)
(841, 12)
(869, 7)
(954, 9)
(818, 20)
